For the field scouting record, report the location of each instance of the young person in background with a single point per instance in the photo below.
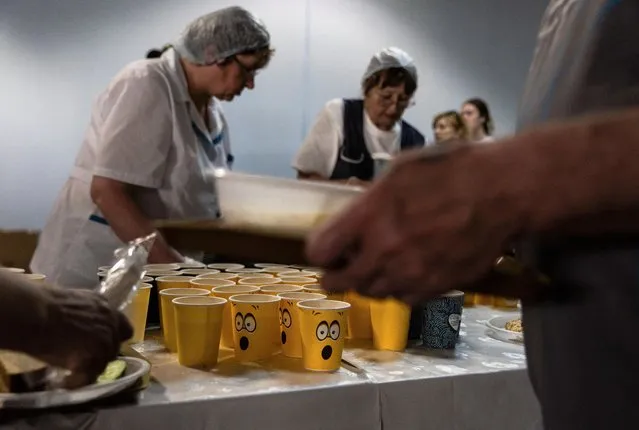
(448, 126)
(478, 121)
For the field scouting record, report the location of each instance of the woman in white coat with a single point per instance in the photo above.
(154, 132)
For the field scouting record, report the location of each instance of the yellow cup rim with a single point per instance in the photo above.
(146, 279)
(174, 278)
(246, 289)
(192, 265)
(301, 296)
(34, 276)
(161, 266)
(262, 275)
(246, 270)
(199, 271)
(13, 269)
(324, 305)
(184, 292)
(160, 273)
(221, 275)
(298, 279)
(289, 288)
(313, 287)
(259, 281)
(211, 282)
(225, 266)
(144, 286)
(268, 265)
(201, 301)
(254, 298)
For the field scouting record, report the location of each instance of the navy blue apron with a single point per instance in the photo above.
(354, 159)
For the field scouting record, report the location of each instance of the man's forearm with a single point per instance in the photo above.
(580, 177)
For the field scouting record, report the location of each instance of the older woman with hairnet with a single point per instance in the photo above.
(347, 132)
(154, 132)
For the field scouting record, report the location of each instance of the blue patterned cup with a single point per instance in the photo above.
(441, 320)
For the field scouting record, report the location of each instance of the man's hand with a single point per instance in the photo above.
(82, 333)
(430, 224)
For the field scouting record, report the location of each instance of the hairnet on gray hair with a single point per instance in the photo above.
(221, 34)
(390, 58)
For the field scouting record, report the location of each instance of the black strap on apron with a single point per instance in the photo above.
(354, 159)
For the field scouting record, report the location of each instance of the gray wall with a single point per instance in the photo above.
(57, 55)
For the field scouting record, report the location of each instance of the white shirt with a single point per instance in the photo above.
(142, 132)
(321, 147)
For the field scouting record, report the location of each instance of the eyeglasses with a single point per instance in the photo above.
(387, 100)
(249, 73)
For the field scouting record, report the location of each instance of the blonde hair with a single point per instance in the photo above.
(455, 119)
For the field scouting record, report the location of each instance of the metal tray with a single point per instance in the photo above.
(135, 369)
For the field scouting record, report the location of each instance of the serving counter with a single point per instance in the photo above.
(481, 385)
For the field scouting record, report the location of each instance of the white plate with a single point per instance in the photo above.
(135, 369)
(496, 329)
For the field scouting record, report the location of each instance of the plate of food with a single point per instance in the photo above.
(119, 375)
(507, 328)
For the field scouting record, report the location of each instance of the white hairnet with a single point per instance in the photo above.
(390, 58)
(222, 34)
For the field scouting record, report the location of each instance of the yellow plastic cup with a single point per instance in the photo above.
(276, 289)
(223, 275)
(390, 320)
(225, 266)
(276, 270)
(168, 315)
(304, 273)
(161, 267)
(359, 317)
(317, 288)
(228, 322)
(322, 333)
(160, 273)
(198, 326)
(503, 303)
(146, 280)
(178, 281)
(259, 281)
(137, 310)
(267, 265)
(246, 270)
(255, 275)
(256, 334)
(12, 269)
(290, 335)
(192, 265)
(484, 299)
(208, 283)
(469, 299)
(34, 277)
(198, 272)
(297, 280)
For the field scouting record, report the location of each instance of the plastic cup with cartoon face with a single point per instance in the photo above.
(137, 310)
(321, 323)
(290, 321)
(225, 266)
(256, 334)
(223, 275)
(168, 314)
(258, 282)
(228, 323)
(359, 317)
(317, 288)
(390, 320)
(198, 326)
(198, 272)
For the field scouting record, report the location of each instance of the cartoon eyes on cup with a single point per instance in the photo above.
(323, 330)
(247, 322)
(286, 318)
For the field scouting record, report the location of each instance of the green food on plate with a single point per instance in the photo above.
(113, 371)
